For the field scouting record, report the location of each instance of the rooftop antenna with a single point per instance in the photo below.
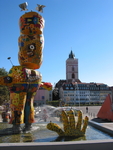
(9, 58)
(40, 8)
(23, 6)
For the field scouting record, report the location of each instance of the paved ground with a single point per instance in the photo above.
(92, 110)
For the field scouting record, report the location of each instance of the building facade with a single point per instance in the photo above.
(72, 91)
(42, 95)
(84, 93)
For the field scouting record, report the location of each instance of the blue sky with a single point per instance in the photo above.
(85, 26)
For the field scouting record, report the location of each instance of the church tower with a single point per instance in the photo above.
(71, 68)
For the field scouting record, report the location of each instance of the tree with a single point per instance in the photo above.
(55, 94)
(4, 91)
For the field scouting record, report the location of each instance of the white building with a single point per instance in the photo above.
(73, 91)
(84, 93)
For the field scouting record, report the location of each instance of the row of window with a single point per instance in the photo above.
(82, 95)
(85, 88)
(93, 99)
(84, 92)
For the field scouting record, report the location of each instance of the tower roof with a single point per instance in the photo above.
(71, 55)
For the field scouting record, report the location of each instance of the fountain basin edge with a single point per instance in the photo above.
(79, 145)
(101, 127)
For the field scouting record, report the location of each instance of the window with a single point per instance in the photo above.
(73, 75)
(71, 88)
(67, 88)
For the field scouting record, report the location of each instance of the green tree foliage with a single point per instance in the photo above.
(55, 94)
(4, 91)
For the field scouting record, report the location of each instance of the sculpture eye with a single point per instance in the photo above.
(7, 79)
(32, 47)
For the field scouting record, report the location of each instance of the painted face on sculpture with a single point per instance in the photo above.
(30, 51)
(31, 40)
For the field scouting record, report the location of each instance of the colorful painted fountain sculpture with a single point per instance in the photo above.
(70, 126)
(23, 81)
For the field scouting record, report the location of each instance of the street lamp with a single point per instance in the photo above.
(9, 58)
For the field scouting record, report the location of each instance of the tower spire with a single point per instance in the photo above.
(71, 55)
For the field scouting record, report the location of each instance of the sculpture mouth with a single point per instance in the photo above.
(31, 49)
(30, 53)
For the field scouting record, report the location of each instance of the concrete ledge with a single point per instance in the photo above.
(101, 127)
(81, 145)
